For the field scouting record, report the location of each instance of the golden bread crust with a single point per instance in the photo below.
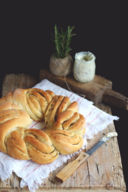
(65, 126)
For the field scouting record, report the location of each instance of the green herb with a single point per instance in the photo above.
(62, 41)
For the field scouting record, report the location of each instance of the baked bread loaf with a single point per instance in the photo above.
(64, 130)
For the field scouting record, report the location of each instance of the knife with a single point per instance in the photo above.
(70, 168)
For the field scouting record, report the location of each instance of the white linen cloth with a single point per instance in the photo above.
(32, 174)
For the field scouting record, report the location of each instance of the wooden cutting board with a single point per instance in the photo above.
(98, 90)
(102, 172)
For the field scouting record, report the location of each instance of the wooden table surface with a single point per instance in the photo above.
(101, 172)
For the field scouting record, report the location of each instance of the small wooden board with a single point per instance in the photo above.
(102, 172)
(98, 90)
(93, 90)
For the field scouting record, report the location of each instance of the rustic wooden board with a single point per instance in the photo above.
(101, 173)
(93, 90)
(98, 90)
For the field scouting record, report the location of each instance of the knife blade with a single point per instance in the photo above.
(70, 168)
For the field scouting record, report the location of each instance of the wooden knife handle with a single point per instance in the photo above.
(116, 99)
(71, 167)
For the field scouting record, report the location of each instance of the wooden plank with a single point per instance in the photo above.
(102, 171)
(12, 81)
(115, 98)
(54, 190)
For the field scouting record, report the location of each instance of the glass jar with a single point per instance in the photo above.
(84, 66)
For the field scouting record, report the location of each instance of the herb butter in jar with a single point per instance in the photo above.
(84, 66)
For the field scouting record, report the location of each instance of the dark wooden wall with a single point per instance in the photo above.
(26, 33)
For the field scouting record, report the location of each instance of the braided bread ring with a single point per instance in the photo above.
(64, 131)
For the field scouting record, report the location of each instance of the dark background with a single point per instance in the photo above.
(26, 32)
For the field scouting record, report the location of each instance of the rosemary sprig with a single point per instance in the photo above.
(62, 41)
